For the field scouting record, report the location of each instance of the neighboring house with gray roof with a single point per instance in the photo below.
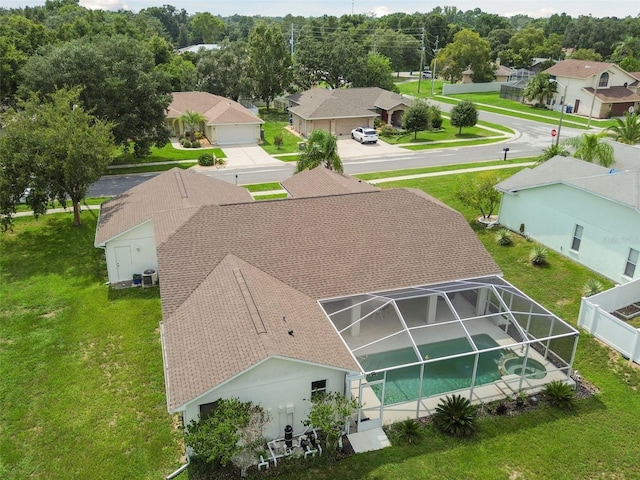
(596, 89)
(227, 122)
(584, 211)
(341, 110)
(132, 224)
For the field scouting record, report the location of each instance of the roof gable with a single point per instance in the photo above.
(237, 317)
(175, 194)
(578, 68)
(217, 110)
(322, 182)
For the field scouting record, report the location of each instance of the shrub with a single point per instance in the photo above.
(199, 135)
(501, 408)
(504, 237)
(184, 142)
(277, 141)
(436, 117)
(219, 162)
(408, 431)
(206, 160)
(591, 287)
(195, 144)
(387, 130)
(455, 416)
(559, 394)
(538, 255)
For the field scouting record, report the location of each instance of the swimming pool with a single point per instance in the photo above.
(403, 384)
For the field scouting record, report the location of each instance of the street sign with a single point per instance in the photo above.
(554, 132)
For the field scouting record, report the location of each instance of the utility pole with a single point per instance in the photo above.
(291, 40)
(435, 64)
(421, 61)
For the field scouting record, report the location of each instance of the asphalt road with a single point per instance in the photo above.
(531, 138)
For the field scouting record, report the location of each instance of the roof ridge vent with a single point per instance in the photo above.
(250, 303)
(180, 184)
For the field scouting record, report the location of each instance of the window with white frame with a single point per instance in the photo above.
(577, 238)
(632, 261)
(318, 387)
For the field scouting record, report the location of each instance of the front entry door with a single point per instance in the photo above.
(124, 264)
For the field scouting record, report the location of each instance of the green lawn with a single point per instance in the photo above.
(446, 133)
(82, 388)
(276, 123)
(165, 154)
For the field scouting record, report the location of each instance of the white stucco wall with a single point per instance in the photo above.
(281, 386)
(550, 214)
(142, 248)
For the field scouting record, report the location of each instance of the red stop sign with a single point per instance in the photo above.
(554, 132)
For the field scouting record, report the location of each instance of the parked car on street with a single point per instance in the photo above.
(426, 74)
(364, 135)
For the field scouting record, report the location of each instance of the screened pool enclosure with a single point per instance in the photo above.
(481, 338)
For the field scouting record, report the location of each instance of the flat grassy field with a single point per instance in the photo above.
(82, 388)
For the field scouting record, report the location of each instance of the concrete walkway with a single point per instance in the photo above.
(369, 440)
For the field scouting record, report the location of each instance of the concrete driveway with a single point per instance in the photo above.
(350, 149)
(244, 156)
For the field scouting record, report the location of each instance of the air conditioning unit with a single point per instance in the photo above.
(149, 278)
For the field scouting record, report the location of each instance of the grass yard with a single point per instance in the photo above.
(82, 388)
(446, 133)
(165, 154)
(83, 393)
(276, 123)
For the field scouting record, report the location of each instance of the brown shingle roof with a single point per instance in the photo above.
(578, 68)
(223, 301)
(173, 195)
(618, 94)
(321, 182)
(319, 103)
(218, 110)
(328, 246)
(234, 320)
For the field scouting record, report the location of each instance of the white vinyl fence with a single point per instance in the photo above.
(595, 317)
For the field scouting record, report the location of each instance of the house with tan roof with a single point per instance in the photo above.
(341, 110)
(586, 212)
(594, 89)
(384, 295)
(321, 182)
(133, 224)
(228, 122)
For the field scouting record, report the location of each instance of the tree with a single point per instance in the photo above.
(330, 413)
(479, 193)
(225, 72)
(591, 148)
(585, 54)
(417, 118)
(539, 88)
(192, 121)
(467, 50)
(464, 114)
(552, 151)
(627, 129)
(269, 62)
(206, 28)
(230, 433)
(118, 80)
(55, 149)
(321, 149)
(377, 73)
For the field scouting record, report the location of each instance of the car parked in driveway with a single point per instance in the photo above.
(364, 135)
(426, 74)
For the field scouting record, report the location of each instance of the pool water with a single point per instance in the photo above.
(403, 384)
(533, 369)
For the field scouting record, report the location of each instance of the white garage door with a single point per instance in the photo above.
(235, 134)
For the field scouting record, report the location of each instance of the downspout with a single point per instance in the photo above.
(178, 471)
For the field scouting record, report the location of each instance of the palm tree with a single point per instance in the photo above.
(539, 88)
(321, 149)
(553, 151)
(590, 148)
(627, 129)
(191, 120)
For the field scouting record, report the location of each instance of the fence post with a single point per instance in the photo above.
(635, 348)
(595, 314)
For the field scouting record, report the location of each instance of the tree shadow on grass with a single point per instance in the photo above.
(52, 245)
